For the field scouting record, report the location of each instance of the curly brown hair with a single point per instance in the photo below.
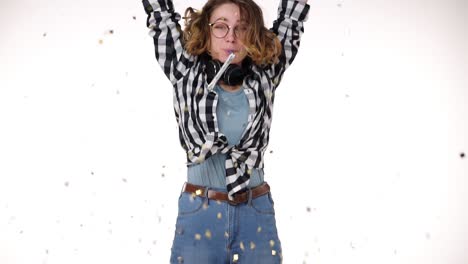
(262, 45)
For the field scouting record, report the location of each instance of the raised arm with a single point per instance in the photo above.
(163, 23)
(289, 28)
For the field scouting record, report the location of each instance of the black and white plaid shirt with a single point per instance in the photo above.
(195, 105)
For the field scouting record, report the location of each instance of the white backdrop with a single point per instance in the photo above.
(375, 103)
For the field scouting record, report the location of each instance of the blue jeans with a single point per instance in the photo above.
(214, 232)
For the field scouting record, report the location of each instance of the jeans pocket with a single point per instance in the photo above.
(189, 203)
(264, 204)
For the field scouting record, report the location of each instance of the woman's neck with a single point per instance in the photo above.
(229, 88)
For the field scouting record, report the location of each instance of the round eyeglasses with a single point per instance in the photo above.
(221, 30)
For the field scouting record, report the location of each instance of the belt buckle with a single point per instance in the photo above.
(233, 201)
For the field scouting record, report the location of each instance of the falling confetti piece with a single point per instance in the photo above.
(66, 184)
(272, 243)
(208, 234)
(273, 252)
(92, 173)
(462, 155)
(226, 235)
(134, 17)
(235, 257)
(252, 245)
(124, 180)
(162, 175)
(111, 31)
(45, 34)
(242, 246)
(101, 41)
(180, 259)
(198, 192)
(219, 216)
(271, 151)
(197, 237)
(259, 229)
(308, 209)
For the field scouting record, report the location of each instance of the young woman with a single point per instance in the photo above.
(225, 67)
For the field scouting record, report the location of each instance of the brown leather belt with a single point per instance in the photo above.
(239, 198)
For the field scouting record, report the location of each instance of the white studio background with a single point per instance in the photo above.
(366, 159)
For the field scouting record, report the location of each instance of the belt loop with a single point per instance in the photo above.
(249, 201)
(207, 189)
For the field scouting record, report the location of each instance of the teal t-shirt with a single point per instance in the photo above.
(232, 114)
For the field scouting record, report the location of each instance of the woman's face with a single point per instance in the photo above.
(226, 18)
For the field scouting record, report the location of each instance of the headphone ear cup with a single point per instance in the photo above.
(234, 75)
(212, 67)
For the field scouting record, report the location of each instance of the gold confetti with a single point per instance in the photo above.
(219, 216)
(272, 243)
(101, 41)
(208, 234)
(198, 192)
(249, 171)
(259, 229)
(197, 236)
(226, 235)
(242, 246)
(235, 257)
(252, 245)
(273, 252)
(218, 202)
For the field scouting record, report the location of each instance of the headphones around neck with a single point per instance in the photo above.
(233, 75)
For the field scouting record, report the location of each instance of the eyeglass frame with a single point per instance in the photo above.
(227, 32)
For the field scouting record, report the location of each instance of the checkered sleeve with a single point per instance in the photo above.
(163, 23)
(289, 28)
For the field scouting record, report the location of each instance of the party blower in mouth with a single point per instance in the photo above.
(220, 72)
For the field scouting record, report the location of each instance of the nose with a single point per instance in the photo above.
(231, 37)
